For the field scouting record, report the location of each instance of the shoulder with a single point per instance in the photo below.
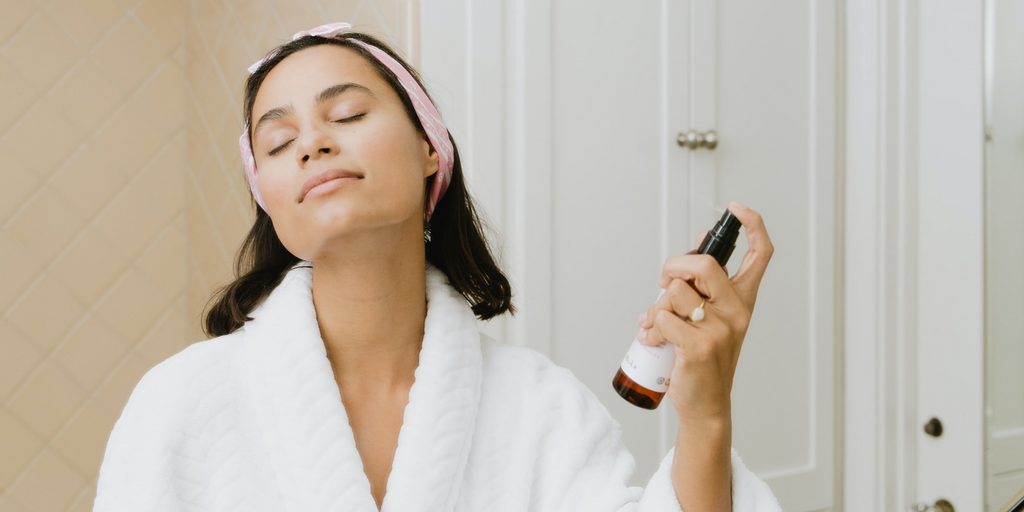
(552, 389)
(172, 400)
(159, 427)
(526, 362)
(520, 363)
(552, 427)
(188, 374)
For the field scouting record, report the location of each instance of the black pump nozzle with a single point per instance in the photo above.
(721, 240)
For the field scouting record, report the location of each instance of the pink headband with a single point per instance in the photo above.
(428, 115)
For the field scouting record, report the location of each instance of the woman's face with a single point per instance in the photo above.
(323, 109)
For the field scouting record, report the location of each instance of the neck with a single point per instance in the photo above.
(370, 302)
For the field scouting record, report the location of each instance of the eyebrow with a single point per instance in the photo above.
(322, 97)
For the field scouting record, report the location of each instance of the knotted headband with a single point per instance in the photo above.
(425, 111)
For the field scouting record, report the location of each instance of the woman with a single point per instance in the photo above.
(370, 387)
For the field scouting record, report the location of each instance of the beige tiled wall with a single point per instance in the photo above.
(92, 230)
(122, 205)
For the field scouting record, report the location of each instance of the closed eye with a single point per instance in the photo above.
(282, 146)
(347, 119)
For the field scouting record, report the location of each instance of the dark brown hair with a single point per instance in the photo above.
(454, 236)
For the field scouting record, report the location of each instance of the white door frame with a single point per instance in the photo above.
(914, 339)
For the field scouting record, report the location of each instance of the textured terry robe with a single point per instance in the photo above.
(254, 421)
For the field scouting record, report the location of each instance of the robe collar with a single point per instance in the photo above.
(303, 422)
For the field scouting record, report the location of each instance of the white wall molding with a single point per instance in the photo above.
(880, 254)
(913, 244)
(495, 59)
(950, 288)
(528, 111)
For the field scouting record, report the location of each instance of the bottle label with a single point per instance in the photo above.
(650, 367)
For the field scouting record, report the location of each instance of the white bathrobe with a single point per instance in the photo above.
(254, 421)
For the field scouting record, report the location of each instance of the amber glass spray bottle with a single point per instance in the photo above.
(643, 376)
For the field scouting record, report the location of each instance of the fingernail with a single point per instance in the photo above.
(739, 205)
(641, 318)
(642, 335)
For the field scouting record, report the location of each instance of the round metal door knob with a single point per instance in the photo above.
(710, 139)
(694, 140)
(933, 427)
(690, 139)
(942, 505)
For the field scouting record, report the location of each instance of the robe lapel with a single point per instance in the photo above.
(434, 442)
(303, 420)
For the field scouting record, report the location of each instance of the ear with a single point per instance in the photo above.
(431, 159)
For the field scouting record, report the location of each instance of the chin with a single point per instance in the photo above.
(334, 217)
(331, 212)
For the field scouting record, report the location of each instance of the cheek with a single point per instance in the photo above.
(277, 193)
(392, 154)
(274, 188)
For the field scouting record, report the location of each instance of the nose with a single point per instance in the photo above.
(313, 145)
(305, 158)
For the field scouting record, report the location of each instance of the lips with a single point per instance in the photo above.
(324, 177)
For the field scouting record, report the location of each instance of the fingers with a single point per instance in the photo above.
(679, 300)
(698, 340)
(713, 338)
(690, 278)
(755, 261)
(703, 270)
(667, 326)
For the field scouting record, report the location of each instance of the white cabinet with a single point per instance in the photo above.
(568, 114)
